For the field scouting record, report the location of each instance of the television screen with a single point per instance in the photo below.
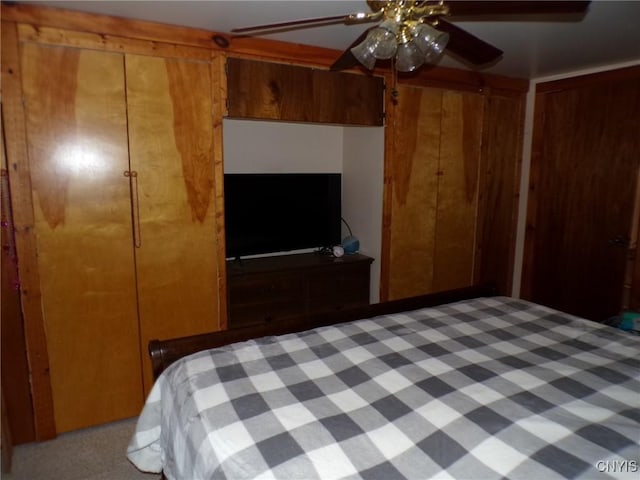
(279, 212)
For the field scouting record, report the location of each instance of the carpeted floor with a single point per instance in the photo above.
(97, 453)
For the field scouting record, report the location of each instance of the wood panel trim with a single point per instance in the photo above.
(387, 197)
(528, 258)
(17, 405)
(117, 29)
(634, 288)
(157, 32)
(517, 175)
(452, 78)
(589, 79)
(6, 440)
(631, 296)
(219, 97)
(110, 43)
(481, 206)
(104, 24)
(22, 205)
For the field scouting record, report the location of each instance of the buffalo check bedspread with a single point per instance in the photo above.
(482, 389)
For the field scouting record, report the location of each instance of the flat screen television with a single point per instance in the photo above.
(280, 212)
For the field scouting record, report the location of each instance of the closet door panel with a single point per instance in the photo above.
(171, 145)
(500, 187)
(414, 185)
(77, 144)
(460, 149)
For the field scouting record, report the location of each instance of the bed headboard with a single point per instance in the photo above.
(164, 352)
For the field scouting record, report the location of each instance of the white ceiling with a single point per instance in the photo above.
(609, 34)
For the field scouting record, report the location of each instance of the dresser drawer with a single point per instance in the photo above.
(344, 287)
(271, 289)
(251, 314)
(264, 289)
(265, 298)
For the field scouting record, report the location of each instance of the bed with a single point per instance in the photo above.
(442, 386)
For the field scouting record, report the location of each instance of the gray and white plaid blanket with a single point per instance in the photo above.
(482, 389)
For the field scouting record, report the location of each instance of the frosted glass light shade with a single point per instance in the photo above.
(409, 57)
(430, 41)
(382, 40)
(380, 43)
(364, 55)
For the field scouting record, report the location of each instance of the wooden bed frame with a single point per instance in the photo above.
(164, 352)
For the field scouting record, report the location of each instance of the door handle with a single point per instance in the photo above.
(132, 175)
(620, 241)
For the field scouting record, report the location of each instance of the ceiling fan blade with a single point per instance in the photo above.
(468, 46)
(293, 23)
(347, 59)
(515, 7)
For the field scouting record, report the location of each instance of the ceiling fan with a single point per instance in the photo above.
(411, 33)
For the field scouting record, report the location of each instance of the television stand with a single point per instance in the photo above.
(269, 289)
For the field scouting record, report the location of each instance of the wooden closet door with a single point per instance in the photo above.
(77, 146)
(171, 145)
(502, 136)
(585, 161)
(412, 183)
(433, 183)
(459, 164)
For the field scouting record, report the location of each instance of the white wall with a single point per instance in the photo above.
(252, 146)
(362, 184)
(357, 152)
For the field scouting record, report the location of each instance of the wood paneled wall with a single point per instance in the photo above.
(94, 41)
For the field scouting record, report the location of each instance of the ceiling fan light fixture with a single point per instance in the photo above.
(430, 41)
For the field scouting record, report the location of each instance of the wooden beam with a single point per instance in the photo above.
(588, 79)
(117, 29)
(219, 97)
(157, 32)
(22, 205)
(452, 78)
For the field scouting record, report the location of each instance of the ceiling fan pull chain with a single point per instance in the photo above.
(394, 82)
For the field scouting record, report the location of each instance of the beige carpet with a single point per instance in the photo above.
(97, 453)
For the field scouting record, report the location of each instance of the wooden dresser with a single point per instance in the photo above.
(269, 289)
